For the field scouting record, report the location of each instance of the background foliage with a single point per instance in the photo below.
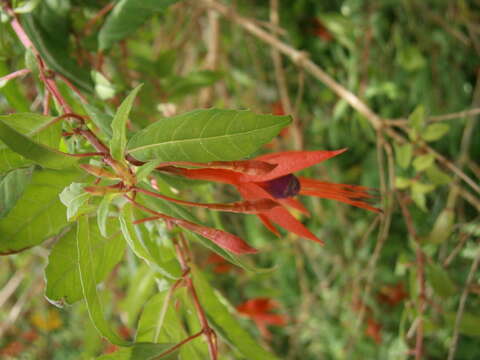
(381, 287)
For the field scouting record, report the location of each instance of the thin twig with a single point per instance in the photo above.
(461, 306)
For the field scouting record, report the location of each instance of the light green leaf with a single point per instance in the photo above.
(443, 227)
(437, 176)
(102, 213)
(152, 253)
(89, 278)
(73, 197)
(142, 352)
(12, 187)
(404, 155)
(423, 162)
(38, 214)
(440, 281)
(206, 135)
(160, 322)
(417, 118)
(402, 183)
(103, 87)
(126, 17)
(62, 272)
(42, 155)
(145, 170)
(119, 126)
(435, 132)
(226, 324)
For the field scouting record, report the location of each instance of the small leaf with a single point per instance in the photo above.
(42, 155)
(126, 17)
(404, 155)
(443, 227)
(73, 197)
(145, 170)
(417, 118)
(142, 351)
(440, 281)
(437, 176)
(62, 273)
(119, 126)
(102, 213)
(89, 277)
(103, 87)
(206, 135)
(402, 183)
(12, 187)
(423, 162)
(435, 132)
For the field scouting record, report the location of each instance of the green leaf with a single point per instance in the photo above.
(417, 118)
(145, 170)
(62, 272)
(178, 211)
(423, 162)
(126, 17)
(440, 281)
(443, 227)
(100, 119)
(40, 154)
(12, 187)
(11, 91)
(89, 278)
(73, 197)
(102, 213)
(469, 323)
(35, 126)
(402, 183)
(226, 324)
(103, 87)
(160, 322)
(435, 132)
(47, 28)
(119, 126)
(418, 191)
(437, 176)
(38, 214)
(142, 352)
(404, 155)
(178, 87)
(146, 249)
(206, 135)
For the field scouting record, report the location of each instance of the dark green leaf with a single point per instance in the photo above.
(126, 17)
(38, 214)
(225, 322)
(62, 273)
(47, 28)
(469, 324)
(119, 126)
(206, 135)
(89, 278)
(12, 187)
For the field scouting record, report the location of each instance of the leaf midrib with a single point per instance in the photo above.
(177, 141)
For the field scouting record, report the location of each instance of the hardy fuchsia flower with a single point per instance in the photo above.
(269, 180)
(260, 311)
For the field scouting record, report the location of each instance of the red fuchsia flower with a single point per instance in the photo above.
(260, 311)
(392, 294)
(374, 330)
(270, 177)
